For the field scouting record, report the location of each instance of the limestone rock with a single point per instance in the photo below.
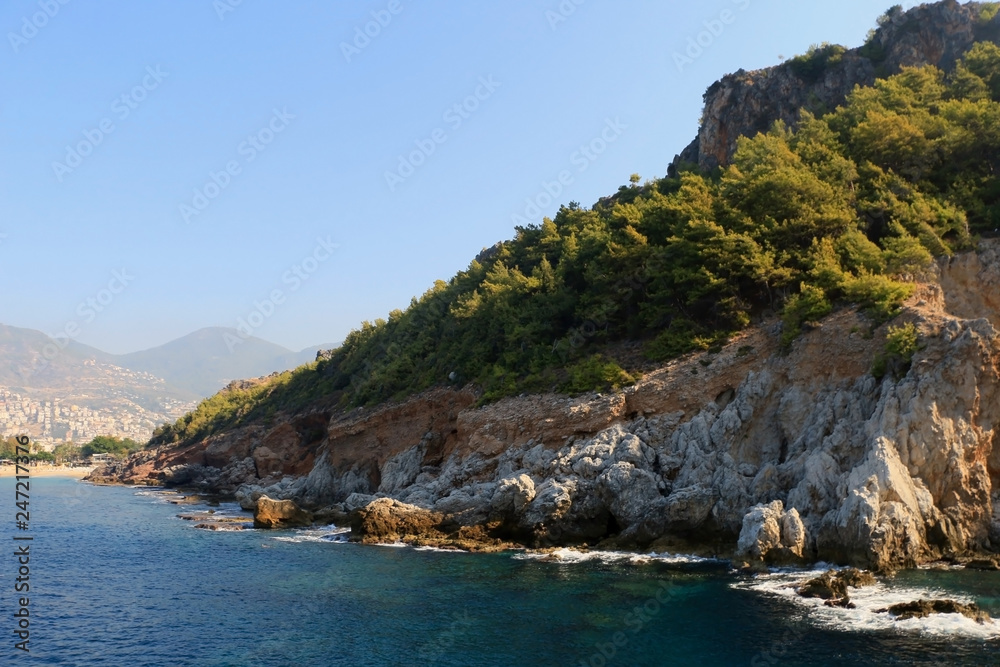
(271, 513)
(513, 494)
(388, 520)
(772, 534)
(745, 103)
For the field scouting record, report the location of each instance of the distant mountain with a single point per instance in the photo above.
(53, 390)
(57, 389)
(188, 368)
(30, 359)
(205, 361)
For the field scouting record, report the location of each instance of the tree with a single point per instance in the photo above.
(66, 452)
(104, 444)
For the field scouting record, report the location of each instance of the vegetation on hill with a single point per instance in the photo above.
(846, 209)
(105, 444)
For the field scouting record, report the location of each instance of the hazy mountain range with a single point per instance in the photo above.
(191, 367)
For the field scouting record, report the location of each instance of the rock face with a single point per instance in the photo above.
(746, 103)
(270, 513)
(795, 457)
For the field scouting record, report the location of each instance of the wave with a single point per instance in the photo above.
(329, 533)
(863, 618)
(572, 556)
(158, 495)
(440, 550)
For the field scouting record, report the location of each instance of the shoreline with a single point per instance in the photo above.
(48, 471)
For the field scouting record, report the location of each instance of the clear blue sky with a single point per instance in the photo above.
(554, 86)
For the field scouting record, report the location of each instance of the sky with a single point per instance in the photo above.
(298, 167)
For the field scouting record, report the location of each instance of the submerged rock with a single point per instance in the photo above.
(924, 608)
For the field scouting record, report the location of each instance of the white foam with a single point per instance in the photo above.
(440, 550)
(573, 556)
(231, 527)
(329, 533)
(160, 496)
(783, 583)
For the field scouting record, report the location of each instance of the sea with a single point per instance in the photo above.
(117, 578)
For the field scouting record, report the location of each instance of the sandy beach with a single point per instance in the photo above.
(47, 471)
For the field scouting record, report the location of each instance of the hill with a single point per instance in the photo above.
(790, 356)
(56, 389)
(845, 208)
(205, 361)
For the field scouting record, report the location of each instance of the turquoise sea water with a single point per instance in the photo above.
(118, 579)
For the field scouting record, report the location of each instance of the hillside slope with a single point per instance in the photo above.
(787, 457)
(788, 438)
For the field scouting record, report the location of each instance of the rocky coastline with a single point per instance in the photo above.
(752, 453)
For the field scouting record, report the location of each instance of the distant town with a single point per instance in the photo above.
(55, 421)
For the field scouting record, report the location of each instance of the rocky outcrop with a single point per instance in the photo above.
(387, 520)
(745, 103)
(833, 586)
(771, 534)
(767, 456)
(924, 608)
(270, 513)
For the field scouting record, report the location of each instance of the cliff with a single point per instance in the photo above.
(782, 457)
(745, 103)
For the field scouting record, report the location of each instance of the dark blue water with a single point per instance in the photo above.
(117, 579)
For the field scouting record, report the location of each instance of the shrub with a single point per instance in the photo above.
(988, 11)
(809, 305)
(812, 65)
(681, 337)
(879, 296)
(595, 373)
(901, 343)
